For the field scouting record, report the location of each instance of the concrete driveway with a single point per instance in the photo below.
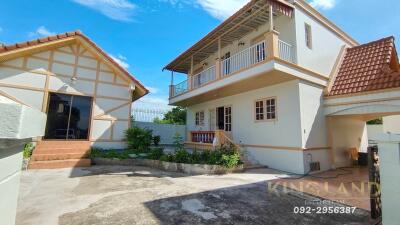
(140, 195)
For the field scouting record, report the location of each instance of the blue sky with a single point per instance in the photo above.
(144, 35)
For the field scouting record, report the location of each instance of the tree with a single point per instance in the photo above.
(176, 116)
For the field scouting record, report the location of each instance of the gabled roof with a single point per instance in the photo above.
(368, 67)
(6, 51)
(245, 20)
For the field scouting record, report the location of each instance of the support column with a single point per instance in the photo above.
(218, 61)
(272, 42)
(190, 75)
(171, 85)
(271, 18)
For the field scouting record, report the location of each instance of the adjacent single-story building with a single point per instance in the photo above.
(86, 95)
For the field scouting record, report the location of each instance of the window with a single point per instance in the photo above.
(259, 110)
(199, 118)
(308, 36)
(265, 109)
(228, 118)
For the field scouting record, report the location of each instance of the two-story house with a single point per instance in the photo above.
(267, 77)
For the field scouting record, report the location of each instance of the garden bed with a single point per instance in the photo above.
(192, 169)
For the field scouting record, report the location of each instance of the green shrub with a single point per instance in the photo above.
(156, 154)
(178, 142)
(156, 140)
(182, 156)
(138, 139)
(168, 158)
(27, 152)
(230, 161)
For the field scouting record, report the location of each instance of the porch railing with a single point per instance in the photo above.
(202, 136)
(180, 88)
(244, 59)
(286, 51)
(204, 77)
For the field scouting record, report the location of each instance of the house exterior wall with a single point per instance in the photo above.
(274, 143)
(29, 80)
(326, 44)
(391, 124)
(313, 126)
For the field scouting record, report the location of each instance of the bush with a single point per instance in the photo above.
(156, 140)
(230, 161)
(156, 154)
(28, 149)
(178, 142)
(182, 156)
(110, 153)
(138, 139)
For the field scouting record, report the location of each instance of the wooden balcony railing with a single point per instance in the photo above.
(202, 136)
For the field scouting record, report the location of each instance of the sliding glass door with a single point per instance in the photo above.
(68, 117)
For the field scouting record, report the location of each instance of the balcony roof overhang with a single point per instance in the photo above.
(247, 19)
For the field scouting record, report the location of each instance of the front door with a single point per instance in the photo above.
(68, 117)
(224, 118)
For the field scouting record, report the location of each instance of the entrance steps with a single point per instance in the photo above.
(60, 154)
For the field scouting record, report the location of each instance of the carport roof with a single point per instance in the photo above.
(368, 67)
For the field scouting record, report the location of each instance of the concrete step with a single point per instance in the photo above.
(63, 144)
(59, 156)
(60, 150)
(57, 164)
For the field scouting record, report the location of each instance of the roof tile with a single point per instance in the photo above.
(366, 68)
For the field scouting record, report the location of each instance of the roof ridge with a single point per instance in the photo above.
(37, 41)
(391, 38)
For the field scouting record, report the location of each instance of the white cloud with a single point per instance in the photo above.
(152, 90)
(221, 9)
(323, 4)
(121, 60)
(41, 31)
(121, 10)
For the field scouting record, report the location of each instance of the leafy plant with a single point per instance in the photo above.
(176, 116)
(156, 154)
(138, 138)
(178, 141)
(28, 149)
(182, 156)
(230, 161)
(156, 140)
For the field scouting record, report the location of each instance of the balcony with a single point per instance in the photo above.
(256, 54)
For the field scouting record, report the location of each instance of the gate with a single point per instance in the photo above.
(375, 181)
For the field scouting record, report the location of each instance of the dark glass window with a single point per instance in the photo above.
(68, 117)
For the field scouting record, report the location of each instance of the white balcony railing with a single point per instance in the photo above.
(243, 59)
(286, 51)
(204, 77)
(180, 88)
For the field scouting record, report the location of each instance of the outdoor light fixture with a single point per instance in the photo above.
(74, 80)
(132, 87)
(241, 43)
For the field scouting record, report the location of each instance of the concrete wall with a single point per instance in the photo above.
(29, 80)
(347, 132)
(313, 126)
(326, 44)
(16, 129)
(166, 131)
(280, 141)
(389, 156)
(391, 124)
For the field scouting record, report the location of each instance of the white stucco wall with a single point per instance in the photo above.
(313, 126)
(391, 124)
(326, 44)
(389, 156)
(283, 132)
(16, 129)
(24, 80)
(347, 132)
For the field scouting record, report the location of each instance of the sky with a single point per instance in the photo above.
(145, 35)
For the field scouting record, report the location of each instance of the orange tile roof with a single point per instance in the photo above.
(31, 43)
(368, 67)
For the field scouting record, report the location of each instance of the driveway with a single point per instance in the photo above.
(139, 195)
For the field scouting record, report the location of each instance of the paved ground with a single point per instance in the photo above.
(346, 185)
(138, 195)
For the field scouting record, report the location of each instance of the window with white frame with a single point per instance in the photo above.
(228, 118)
(308, 33)
(265, 109)
(199, 120)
